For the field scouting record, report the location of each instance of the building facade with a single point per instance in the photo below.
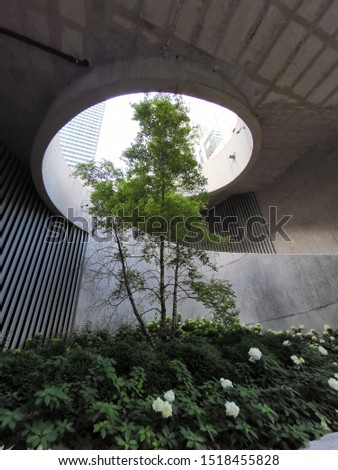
(79, 138)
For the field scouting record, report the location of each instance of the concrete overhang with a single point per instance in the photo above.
(60, 191)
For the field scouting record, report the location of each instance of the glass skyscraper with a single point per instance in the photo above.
(79, 138)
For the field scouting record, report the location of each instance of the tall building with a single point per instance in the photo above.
(214, 126)
(80, 136)
(211, 142)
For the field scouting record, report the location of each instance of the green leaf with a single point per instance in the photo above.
(10, 418)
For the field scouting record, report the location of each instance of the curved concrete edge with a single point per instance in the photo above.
(137, 75)
(70, 198)
(227, 165)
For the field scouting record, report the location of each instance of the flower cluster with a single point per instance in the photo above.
(287, 343)
(226, 383)
(297, 360)
(164, 407)
(322, 350)
(254, 354)
(169, 396)
(231, 409)
(333, 383)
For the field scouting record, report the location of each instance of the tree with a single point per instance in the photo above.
(159, 198)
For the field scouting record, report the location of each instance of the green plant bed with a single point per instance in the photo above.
(205, 389)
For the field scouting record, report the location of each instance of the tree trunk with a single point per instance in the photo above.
(162, 291)
(163, 330)
(129, 292)
(174, 313)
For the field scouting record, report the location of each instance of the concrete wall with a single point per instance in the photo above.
(220, 169)
(275, 290)
(283, 290)
(69, 197)
(308, 191)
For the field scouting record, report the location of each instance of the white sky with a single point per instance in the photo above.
(119, 130)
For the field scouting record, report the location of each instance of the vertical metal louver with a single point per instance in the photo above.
(40, 276)
(240, 219)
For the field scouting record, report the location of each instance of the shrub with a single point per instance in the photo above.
(95, 391)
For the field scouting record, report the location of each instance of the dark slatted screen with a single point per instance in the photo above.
(41, 260)
(243, 223)
(239, 218)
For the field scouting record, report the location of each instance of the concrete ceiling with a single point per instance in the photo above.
(282, 55)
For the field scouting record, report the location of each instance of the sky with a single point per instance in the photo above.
(119, 130)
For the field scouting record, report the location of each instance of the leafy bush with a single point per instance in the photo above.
(96, 391)
(199, 356)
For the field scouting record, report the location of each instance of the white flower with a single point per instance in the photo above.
(322, 341)
(226, 383)
(335, 376)
(158, 405)
(332, 338)
(169, 396)
(301, 327)
(333, 383)
(314, 338)
(322, 350)
(299, 334)
(231, 409)
(287, 343)
(163, 407)
(167, 410)
(255, 354)
(334, 363)
(297, 360)
(327, 327)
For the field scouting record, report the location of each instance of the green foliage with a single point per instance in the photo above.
(159, 199)
(99, 393)
(199, 356)
(11, 418)
(40, 434)
(52, 397)
(219, 298)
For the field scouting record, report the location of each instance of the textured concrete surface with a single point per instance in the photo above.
(308, 191)
(328, 442)
(281, 55)
(146, 74)
(283, 290)
(275, 290)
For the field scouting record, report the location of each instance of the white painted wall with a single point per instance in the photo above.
(220, 169)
